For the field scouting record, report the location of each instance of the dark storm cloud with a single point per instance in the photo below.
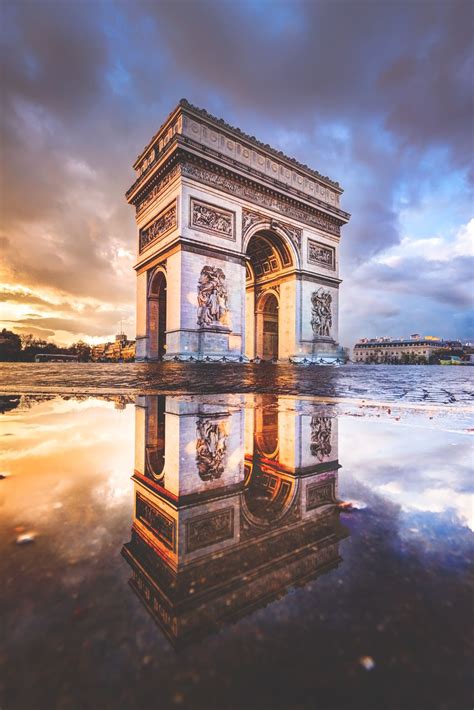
(376, 95)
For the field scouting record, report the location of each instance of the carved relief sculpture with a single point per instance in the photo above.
(248, 192)
(209, 529)
(165, 221)
(212, 297)
(320, 494)
(321, 254)
(320, 437)
(211, 445)
(212, 219)
(321, 313)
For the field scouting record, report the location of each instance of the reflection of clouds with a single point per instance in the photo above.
(66, 455)
(419, 469)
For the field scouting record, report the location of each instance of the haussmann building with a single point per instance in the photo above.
(238, 248)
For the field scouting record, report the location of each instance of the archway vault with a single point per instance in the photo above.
(157, 306)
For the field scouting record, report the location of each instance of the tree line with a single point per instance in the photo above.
(24, 348)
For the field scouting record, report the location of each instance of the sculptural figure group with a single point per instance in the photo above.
(321, 320)
(210, 449)
(212, 297)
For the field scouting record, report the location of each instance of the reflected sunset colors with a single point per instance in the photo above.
(169, 538)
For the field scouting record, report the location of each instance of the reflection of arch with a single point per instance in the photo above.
(157, 314)
(155, 438)
(266, 434)
(268, 495)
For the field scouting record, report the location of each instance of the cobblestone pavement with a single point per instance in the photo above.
(428, 384)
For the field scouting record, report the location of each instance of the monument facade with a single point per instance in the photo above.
(238, 248)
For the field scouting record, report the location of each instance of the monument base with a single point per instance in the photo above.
(323, 351)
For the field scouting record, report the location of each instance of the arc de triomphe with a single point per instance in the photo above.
(238, 247)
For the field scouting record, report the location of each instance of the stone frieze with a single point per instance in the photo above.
(319, 494)
(209, 529)
(212, 219)
(166, 220)
(321, 254)
(259, 197)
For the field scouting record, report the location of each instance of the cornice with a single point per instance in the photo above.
(202, 113)
(180, 150)
(174, 125)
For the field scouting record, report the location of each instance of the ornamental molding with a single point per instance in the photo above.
(321, 437)
(161, 225)
(321, 255)
(260, 197)
(211, 219)
(321, 312)
(250, 219)
(212, 298)
(220, 124)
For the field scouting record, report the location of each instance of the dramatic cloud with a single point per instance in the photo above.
(375, 95)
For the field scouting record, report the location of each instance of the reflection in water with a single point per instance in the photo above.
(235, 502)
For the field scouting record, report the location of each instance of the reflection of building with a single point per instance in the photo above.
(120, 349)
(235, 502)
(238, 247)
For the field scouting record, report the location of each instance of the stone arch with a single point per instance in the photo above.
(156, 313)
(267, 310)
(273, 230)
(272, 257)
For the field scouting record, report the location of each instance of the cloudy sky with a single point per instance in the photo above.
(376, 95)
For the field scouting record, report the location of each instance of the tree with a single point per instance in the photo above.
(10, 346)
(82, 350)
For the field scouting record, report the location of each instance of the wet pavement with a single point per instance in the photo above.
(395, 383)
(237, 550)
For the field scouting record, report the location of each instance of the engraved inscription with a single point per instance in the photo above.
(212, 219)
(321, 254)
(210, 529)
(165, 221)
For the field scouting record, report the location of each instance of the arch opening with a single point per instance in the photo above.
(269, 258)
(157, 316)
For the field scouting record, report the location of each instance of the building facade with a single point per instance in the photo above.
(415, 349)
(121, 349)
(238, 248)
